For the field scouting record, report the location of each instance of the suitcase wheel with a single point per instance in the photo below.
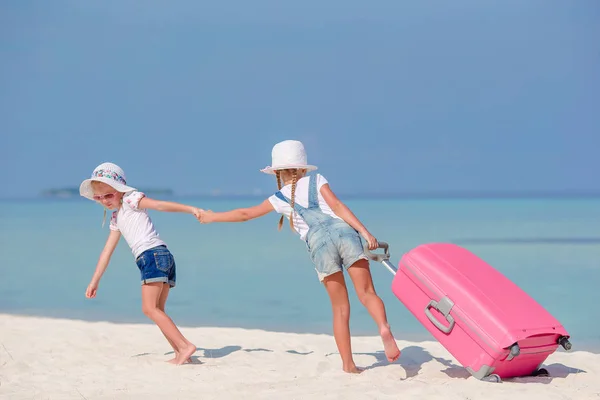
(564, 342)
(492, 378)
(541, 372)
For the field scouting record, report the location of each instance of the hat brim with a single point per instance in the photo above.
(271, 170)
(85, 189)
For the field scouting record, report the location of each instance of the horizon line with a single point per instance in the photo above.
(542, 194)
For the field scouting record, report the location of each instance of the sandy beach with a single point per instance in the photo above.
(44, 358)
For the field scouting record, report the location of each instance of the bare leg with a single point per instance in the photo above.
(340, 306)
(363, 283)
(162, 301)
(151, 293)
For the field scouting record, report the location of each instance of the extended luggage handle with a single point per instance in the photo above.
(382, 258)
(378, 257)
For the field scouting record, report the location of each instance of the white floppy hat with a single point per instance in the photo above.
(108, 173)
(289, 154)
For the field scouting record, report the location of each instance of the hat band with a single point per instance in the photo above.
(102, 173)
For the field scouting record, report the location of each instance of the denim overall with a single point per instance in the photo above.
(331, 242)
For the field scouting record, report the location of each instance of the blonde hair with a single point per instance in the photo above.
(294, 173)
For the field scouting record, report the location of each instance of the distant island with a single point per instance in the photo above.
(65, 193)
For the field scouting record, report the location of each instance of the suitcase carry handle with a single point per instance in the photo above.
(444, 307)
(382, 258)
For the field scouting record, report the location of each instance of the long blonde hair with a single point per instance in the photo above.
(294, 173)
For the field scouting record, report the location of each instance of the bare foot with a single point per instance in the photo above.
(352, 369)
(390, 347)
(185, 354)
(172, 360)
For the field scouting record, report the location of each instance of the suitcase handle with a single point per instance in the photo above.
(378, 257)
(444, 308)
(382, 258)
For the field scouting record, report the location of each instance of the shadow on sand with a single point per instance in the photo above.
(413, 358)
(225, 351)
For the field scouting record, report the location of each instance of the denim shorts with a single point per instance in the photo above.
(157, 265)
(333, 246)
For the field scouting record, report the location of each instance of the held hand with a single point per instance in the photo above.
(373, 244)
(197, 212)
(206, 216)
(91, 290)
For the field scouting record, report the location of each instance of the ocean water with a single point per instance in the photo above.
(250, 275)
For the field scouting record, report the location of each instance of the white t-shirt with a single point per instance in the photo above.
(135, 224)
(301, 198)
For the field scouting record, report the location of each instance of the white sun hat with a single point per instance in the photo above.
(108, 173)
(289, 154)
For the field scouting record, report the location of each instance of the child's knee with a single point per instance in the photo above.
(367, 294)
(149, 310)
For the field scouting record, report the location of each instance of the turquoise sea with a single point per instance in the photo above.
(250, 275)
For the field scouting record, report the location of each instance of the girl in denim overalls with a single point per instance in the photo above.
(108, 187)
(333, 238)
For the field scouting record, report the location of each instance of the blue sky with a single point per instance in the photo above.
(388, 96)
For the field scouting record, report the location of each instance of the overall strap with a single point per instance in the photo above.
(298, 208)
(313, 195)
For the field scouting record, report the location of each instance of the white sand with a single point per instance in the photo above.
(65, 359)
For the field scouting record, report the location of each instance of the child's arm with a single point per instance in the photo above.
(109, 248)
(168, 206)
(238, 215)
(344, 212)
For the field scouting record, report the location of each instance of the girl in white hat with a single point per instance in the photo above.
(333, 237)
(108, 187)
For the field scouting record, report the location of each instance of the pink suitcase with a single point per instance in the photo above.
(488, 323)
